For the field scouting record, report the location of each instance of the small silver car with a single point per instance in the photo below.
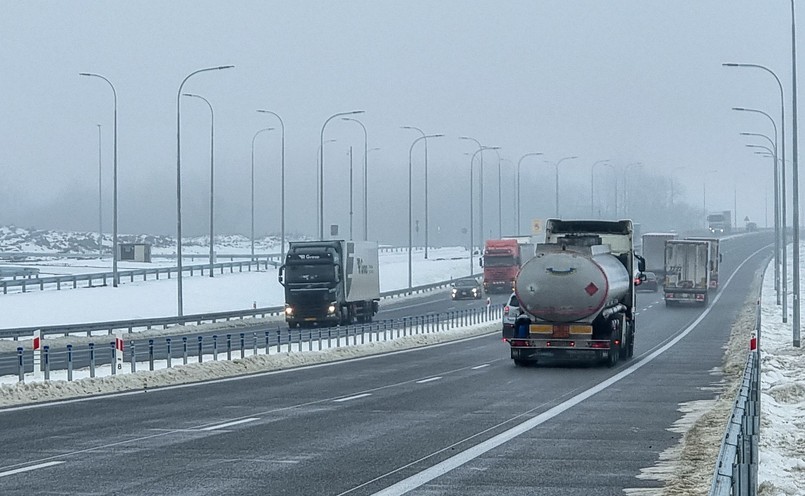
(510, 313)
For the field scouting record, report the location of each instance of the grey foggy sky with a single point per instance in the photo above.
(622, 80)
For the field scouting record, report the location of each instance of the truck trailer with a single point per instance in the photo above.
(715, 259)
(687, 271)
(720, 222)
(330, 282)
(654, 251)
(577, 294)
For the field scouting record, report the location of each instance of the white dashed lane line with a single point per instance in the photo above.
(430, 379)
(29, 468)
(480, 366)
(350, 398)
(228, 424)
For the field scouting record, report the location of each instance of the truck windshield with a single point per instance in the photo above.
(309, 273)
(498, 261)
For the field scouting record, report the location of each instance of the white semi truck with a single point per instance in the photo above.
(330, 282)
(687, 271)
(577, 294)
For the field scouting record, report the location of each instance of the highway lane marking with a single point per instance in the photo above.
(350, 398)
(425, 476)
(228, 424)
(30, 468)
(479, 366)
(430, 379)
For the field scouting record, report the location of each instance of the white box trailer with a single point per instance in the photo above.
(654, 251)
(687, 271)
(715, 259)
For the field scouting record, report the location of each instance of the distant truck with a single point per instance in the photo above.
(720, 222)
(330, 282)
(687, 271)
(654, 251)
(501, 262)
(577, 294)
(715, 259)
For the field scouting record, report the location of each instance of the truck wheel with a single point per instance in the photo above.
(630, 348)
(521, 363)
(614, 354)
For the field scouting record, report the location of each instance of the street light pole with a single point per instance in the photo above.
(777, 240)
(115, 276)
(704, 192)
(472, 223)
(592, 186)
(556, 186)
(500, 202)
(672, 183)
(410, 206)
(365, 180)
(282, 183)
(100, 197)
(350, 194)
(426, 184)
(783, 219)
(252, 182)
(531, 154)
(321, 167)
(480, 188)
(212, 180)
(795, 179)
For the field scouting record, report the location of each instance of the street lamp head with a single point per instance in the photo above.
(739, 108)
(354, 112)
(85, 74)
(729, 64)
(434, 135)
(225, 67)
(191, 94)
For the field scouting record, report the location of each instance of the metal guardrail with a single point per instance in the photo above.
(164, 322)
(198, 347)
(103, 278)
(737, 464)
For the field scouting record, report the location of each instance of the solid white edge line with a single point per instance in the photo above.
(429, 379)
(28, 469)
(350, 398)
(228, 424)
(417, 480)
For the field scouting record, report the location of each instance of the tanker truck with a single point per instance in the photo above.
(577, 294)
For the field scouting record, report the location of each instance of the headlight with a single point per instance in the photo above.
(455, 291)
(331, 309)
(288, 310)
(474, 290)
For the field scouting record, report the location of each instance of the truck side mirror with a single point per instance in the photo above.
(337, 272)
(720, 257)
(481, 262)
(641, 263)
(280, 275)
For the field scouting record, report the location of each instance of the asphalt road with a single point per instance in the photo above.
(457, 418)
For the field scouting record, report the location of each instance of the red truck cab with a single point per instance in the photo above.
(501, 263)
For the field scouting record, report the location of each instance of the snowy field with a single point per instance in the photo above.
(238, 291)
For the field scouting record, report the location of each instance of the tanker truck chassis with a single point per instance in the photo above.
(577, 295)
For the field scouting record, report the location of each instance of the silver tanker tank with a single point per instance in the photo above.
(571, 283)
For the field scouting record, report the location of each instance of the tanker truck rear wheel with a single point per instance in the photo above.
(518, 362)
(614, 354)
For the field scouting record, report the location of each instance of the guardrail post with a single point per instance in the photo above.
(214, 347)
(242, 345)
(69, 362)
(46, 353)
(133, 356)
(150, 354)
(229, 347)
(329, 338)
(254, 343)
(112, 363)
(279, 340)
(289, 340)
(363, 334)
(168, 343)
(267, 352)
(319, 338)
(184, 350)
(21, 363)
(309, 340)
(200, 349)
(92, 359)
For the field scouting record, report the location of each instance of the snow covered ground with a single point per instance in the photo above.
(782, 429)
(238, 291)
